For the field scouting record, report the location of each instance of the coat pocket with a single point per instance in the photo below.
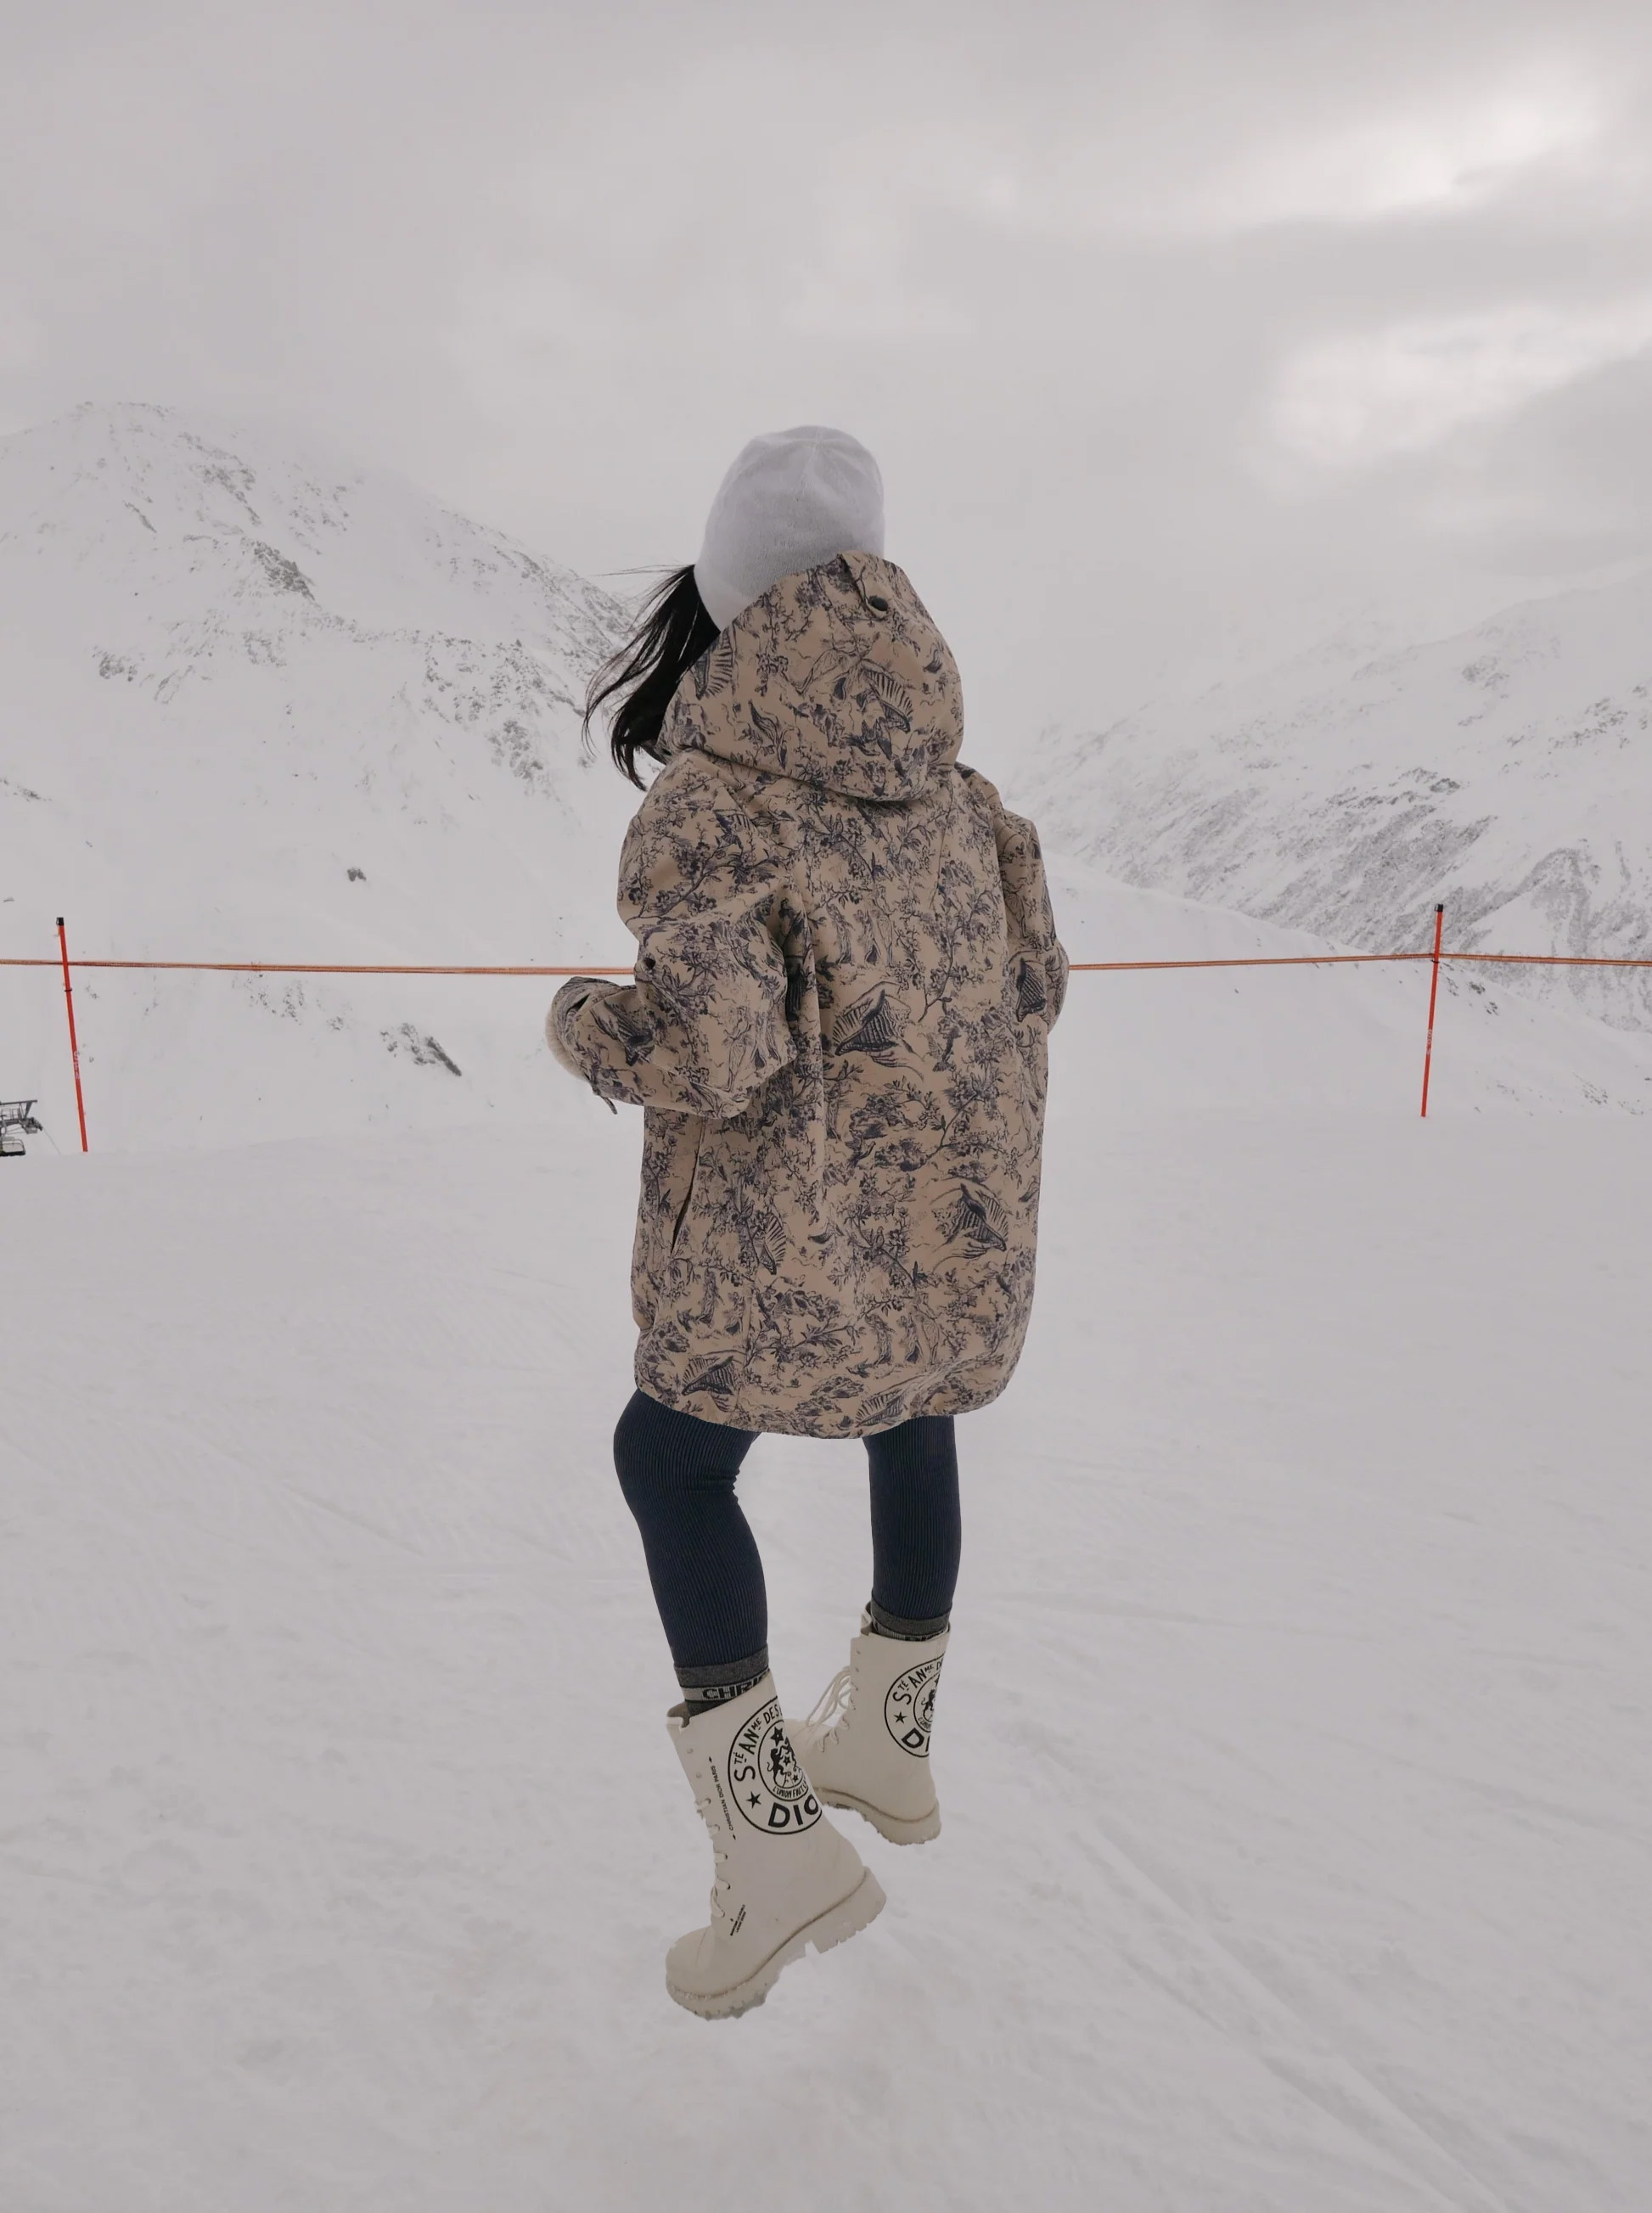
(693, 1147)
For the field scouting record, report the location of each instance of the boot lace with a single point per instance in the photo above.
(722, 1885)
(832, 1707)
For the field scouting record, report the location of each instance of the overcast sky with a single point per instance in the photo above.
(1172, 326)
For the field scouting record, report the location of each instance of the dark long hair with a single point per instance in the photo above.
(672, 631)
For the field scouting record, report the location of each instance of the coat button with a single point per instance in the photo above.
(879, 605)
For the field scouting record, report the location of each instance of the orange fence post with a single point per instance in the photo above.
(1433, 1001)
(74, 1042)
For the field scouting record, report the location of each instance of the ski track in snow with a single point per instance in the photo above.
(1294, 1751)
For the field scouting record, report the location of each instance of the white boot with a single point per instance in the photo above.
(786, 1878)
(866, 1744)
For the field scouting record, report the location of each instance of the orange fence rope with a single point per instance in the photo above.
(313, 968)
(1334, 960)
(1091, 968)
(1436, 954)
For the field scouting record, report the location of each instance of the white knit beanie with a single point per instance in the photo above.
(792, 500)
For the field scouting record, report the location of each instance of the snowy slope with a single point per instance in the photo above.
(1293, 1745)
(263, 705)
(213, 1059)
(1249, 1039)
(1504, 771)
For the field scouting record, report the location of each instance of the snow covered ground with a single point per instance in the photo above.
(1295, 1746)
(187, 1060)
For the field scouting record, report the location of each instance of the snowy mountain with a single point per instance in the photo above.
(1505, 771)
(262, 706)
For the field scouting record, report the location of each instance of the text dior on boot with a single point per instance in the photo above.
(785, 1877)
(866, 1746)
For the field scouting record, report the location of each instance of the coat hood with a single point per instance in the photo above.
(836, 677)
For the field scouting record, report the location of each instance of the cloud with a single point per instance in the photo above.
(1219, 157)
(1444, 153)
(21, 335)
(1057, 263)
(1349, 402)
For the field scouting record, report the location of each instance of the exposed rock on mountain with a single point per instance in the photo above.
(262, 706)
(1507, 772)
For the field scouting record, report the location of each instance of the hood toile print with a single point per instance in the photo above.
(847, 970)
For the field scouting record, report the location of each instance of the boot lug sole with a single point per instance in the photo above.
(922, 1830)
(835, 1926)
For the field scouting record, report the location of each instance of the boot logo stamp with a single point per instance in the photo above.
(908, 1709)
(766, 1777)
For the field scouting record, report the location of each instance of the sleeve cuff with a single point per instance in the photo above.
(558, 1023)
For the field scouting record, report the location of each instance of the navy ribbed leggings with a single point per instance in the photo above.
(678, 1474)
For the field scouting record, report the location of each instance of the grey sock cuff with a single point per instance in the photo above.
(727, 1676)
(894, 1625)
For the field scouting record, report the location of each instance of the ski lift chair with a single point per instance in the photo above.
(16, 1122)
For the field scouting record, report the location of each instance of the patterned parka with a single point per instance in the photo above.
(847, 970)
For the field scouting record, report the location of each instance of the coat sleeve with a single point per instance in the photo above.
(1032, 922)
(703, 1026)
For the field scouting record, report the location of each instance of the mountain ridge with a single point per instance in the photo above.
(264, 705)
(1501, 770)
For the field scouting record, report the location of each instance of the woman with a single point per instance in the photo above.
(846, 972)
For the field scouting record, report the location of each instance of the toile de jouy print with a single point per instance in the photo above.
(847, 969)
